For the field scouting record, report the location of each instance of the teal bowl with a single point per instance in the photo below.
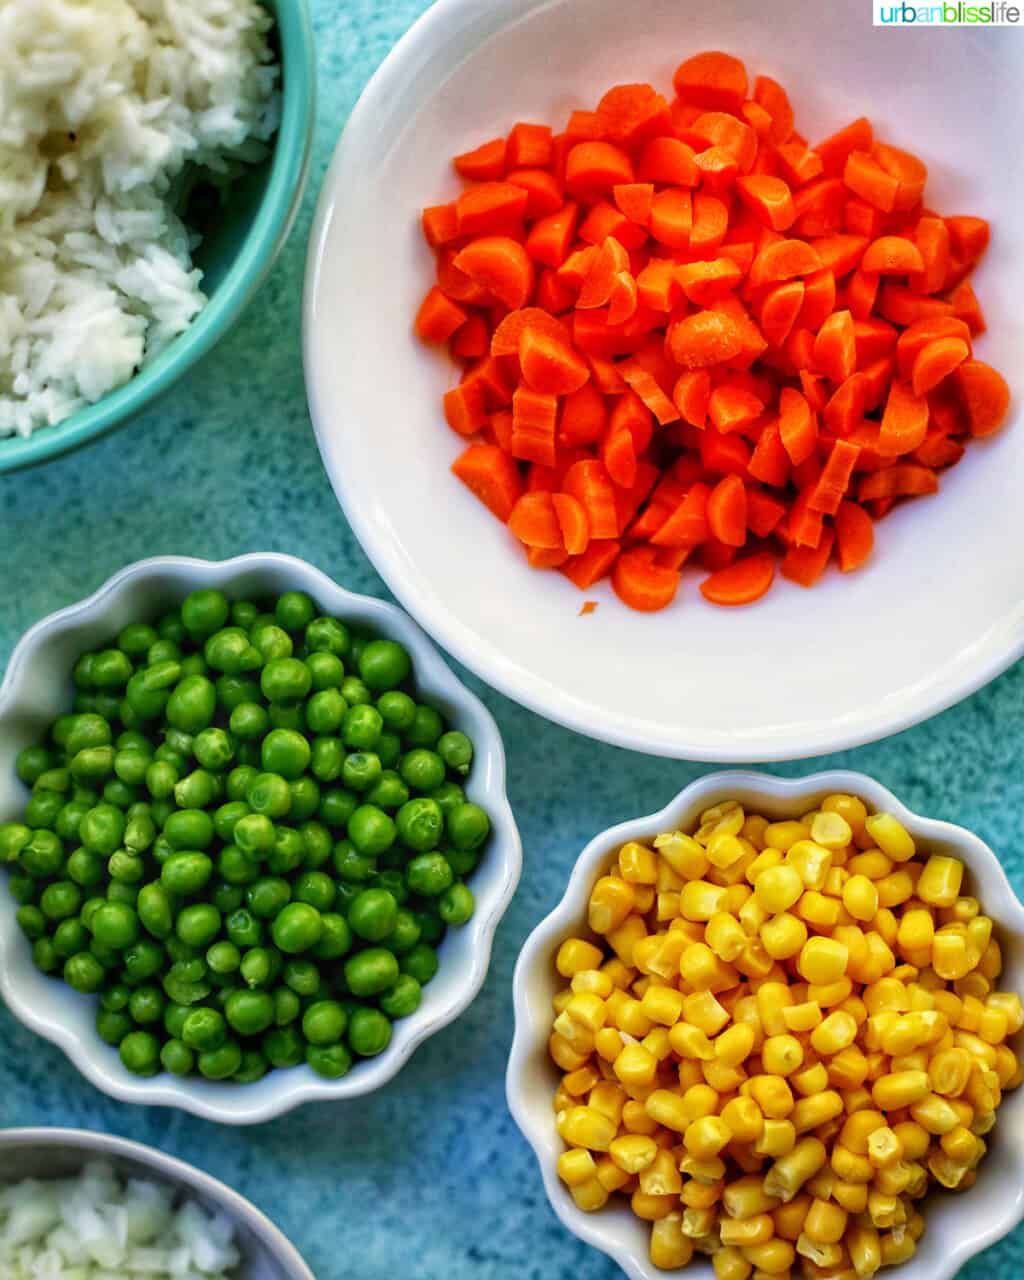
(235, 256)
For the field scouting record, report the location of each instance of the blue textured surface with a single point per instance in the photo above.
(428, 1177)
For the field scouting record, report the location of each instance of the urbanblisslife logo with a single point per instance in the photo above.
(997, 14)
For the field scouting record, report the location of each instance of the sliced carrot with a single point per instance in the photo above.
(604, 220)
(798, 163)
(573, 522)
(575, 269)
(798, 427)
(931, 235)
(877, 378)
(805, 565)
(819, 299)
(722, 129)
(491, 209)
(861, 292)
(804, 527)
(892, 256)
(611, 258)
(909, 172)
(862, 219)
(710, 221)
(456, 285)
(742, 582)
(647, 388)
(629, 501)
(814, 388)
(783, 260)
(672, 217)
(770, 462)
(594, 168)
(550, 294)
(624, 299)
(903, 307)
(590, 483)
(529, 146)
(705, 338)
(769, 198)
(642, 584)
(835, 478)
(936, 361)
(840, 253)
(584, 416)
(440, 224)
(550, 237)
(901, 480)
(534, 416)
(985, 396)
(584, 126)
(658, 285)
(905, 421)
(550, 365)
(769, 94)
(752, 341)
(472, 339)
(485, 163)
(629, 114)
(938, 451)
(874, 338)
(763, 512)
(691, 394)
(505, 339)
(968, 236)
(857, 136)
(706, 281)
(500, 265)
(967, 308)
(633, 199)
(758, 118)
(855, 536)
(620, 456)
(718, 168)
(867, 179)
(779, 309)
(727, 511)
(835, 348)
(465, 408)
(687, 525)
(543, 191)
(534, 522)
(713, 80)
(845, 408)
(732, 407)
(546, 557)
(492, 476)
(438, 317)
(723, 454)
(594, 564)
(668, 162)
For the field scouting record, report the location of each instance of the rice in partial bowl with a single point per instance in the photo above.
(110, 112)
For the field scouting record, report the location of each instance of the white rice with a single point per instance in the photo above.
(98, 1227)
(108, 111)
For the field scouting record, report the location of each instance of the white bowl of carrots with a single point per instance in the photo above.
(696, 307)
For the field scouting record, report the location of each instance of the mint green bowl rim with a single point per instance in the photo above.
(263, 242)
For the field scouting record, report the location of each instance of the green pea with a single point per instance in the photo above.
(54, 780)
(331, 1061)
(136, 638)
(432, 927)
(253, 1068)
(154, 909)
(131, 766)
(267, 896)
(112, 1026)
(45, 955)
(90, 764)
(84, 973)
(421, 769)
(139, 832)
(14, 836)
(361, 770)
(86, 868)
(388, 792)
(125, 867)
(204, 1029)
(405, 934)
(22, 888)
(198, 925)
(369, 1032)
(177, 1058)
(468, 826)
(303, 977)
(456, 750)
(268, 794)
(371, 971)
(43, 855)
(244, 928)
(328, 635)
(174, 1019)
(116, 925)
(102, 829)
(285, 752)
(230, 652)
(244, 613)
(287, 852)
(185, 982)
(397, 709)
(69, 938)
(304, 794)
(239, 780)
(355, 692)
(361, 727)
(31, 763)
(283, 1047)
(85, 731)
(111, 669)
(140, 1053)
(161, 778)
(352, 865)
(223, 957)
(162, 650)
(420, 824)
(142, 960)
(147, 1005)
(60, 900)
(456, 904)
(192, 704)
(287, 1006)
(297, 928)
(249, 1012)
(186, 873)
(392, 881)
(42, 809)
(204, 611)
(316, 844)
(327, 758)
(335, 937)
(254, 834)
(371, 830)
(221, 1063)
(325, 711)
(226, 819)
(272, 641)
(197, 790)
(403, 998)
(324, 1022)
(372, 914)
(32, 921)
(214, 749)
(426, 728)
(249, 721)
(428, 874)
(315, 888)
(234, 691)
(117, 891)
(294, 610)
(384, 664)
(326, 670)
(227, 897)
(285, 680)
(420, 963)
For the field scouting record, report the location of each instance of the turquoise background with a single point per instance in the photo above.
(429, 1177)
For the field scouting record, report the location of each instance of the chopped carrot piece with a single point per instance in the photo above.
(892, 256)
(861, 292)
(742, 582)
(770, 462)
(903, 307)
(715, 81)
(909, 172)
(492, 475)
(905, 421)
(770, 198)
(534, 522)
(594, 564)
(605, 220)
(936, 361)
(835, 149)
(550, 365)
(642, 584)
(783, 260)
(691, 394)
(855, 536)
(590, 483)
(439, 317)
(967, 308)
(763, 512)
(440, 224)
(867, 179)
(835, 478)
(500, 265)
(727, 511)
(505, 338)
(805, 565)
(543, 191)
(633, 200)
(931, 236)
(798, 427)
(705, 282)
(485, 164)
(672, 217)
(624, 300)
(529, 146)
(688, 524)
(668, 162)
(968, 237)
(491, 209)
(594, 168)
(779, 309)
(710, 221)
(985, 395)
(630, 114)
(572, 521)
(472, 339)
(771, 95)
(732, 407)
(819, 299)
(705, 338)
(722, 129)
(901, 480)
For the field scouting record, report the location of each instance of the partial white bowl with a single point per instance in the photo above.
(802, 672)
(63, 1153)
(958, 1226)
(37, 688)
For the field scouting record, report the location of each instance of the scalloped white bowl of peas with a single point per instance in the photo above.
(255, 837)
(772, 1030)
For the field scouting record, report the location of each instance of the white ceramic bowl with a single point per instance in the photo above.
(958, 1226)
(62, 1153)
(784, 678)
(36, 689)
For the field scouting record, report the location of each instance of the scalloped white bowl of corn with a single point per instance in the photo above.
(769, 1032)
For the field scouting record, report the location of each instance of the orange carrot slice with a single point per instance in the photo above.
(742, 582)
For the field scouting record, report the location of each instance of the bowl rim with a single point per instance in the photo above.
(438, 680)
(170, 1169)
(264, 240)
(357, 151)
(538, 949)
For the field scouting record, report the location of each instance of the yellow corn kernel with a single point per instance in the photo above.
(1007, 1067)
(608, 1043)
(656, 1042)
(725, 849)
(773, 1095)
(666, 906)
(782, 1055)
(585, 1127)
(950, 1173)
(819, 911)
(699, 900)
(651, 1208)
(872, 863)
(896, 1249)
(563, 1054)
(744, 1119)
(991, 962)
(914, 1140)
(746, 1197)
(858, 1099)
(683, 854)
(816, 1110)
(825, 1222)
(961, 1145)
(836, 879)
(725, 936)
(858, 1128)
(896, 888)
(851, 1168)
(885, 1211)
(735, 896)
(831, 830)
(802, 1017)
(626, 1013)
(704, 1011)
(592, 981)
(579, 1082)
(752, 916)
(771, 999)
(886, 925)
(783, 835)
(576, 1166)
(810, 1079)
(891, 836)
(735, 1044)
(755, 962)
(608, 1098)
(992, 1025)
(638, 864)
(661, 1176)
(643, 898)
(611, 901)
(668, 1109)
(575, 955)
(935, 1114)
(971, 1009)
(851, 808)
(726, 816)
(789, 1217)
(865, 1250)
(939, 884)
(700, 967)
(689, 1041)
(768, 857)
(783, 935)
(973, 983)
(663, 1005)
(773, 1258)
(645, 953)
(742, 1232)
(1010, 1003)
(826, 1258)
(789, 1172)
(822, 960)
(847, 1069)
(887, 995)
(898, 1089)
(706, 1136)
(635, 1065)
(588, 1010)
(884, 1147)
(624, 937)
(963, 910)
(669, 1247)
(590, 1195)
(562, 1101)
(837, 1032)
(753, 829)
(778, 888)
(778, 1137)
(561, 998)
(730, 1264)
(851, 1196)
(579, 1037)
(860, 897)
(950, 957)
(636, 1120)
(620, 974)
(811, 861)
